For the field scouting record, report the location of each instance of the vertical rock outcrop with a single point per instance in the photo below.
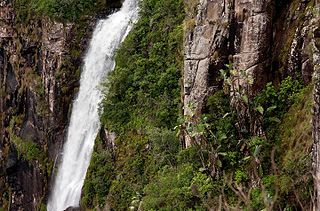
(265, 40)
(206, 51)
(224, 29)
(39, 70)
(315, 60)
(253, 27)
(53, 41)
(251, 59)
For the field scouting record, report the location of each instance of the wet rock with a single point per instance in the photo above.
(54, 45)
(73, 209)
(24, 178)
(11, 160)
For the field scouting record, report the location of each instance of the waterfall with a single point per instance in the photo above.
(84, 123)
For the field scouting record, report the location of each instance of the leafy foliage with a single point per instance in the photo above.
(143, 90)
(28, 149)
(224, 168)
(276, 102)
(141, 104)
(63, 10)
(170, 190)
(99, 177)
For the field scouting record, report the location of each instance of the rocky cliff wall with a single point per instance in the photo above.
(315, 48)
(40, 63)
(263, 40)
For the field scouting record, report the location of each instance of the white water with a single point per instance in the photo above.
(84, 124)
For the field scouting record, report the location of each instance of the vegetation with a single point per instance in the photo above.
(142, 103)
(152, 171)
(101, 173)
(63, 10)
(28, 150)
(227, 168)
(144, 88)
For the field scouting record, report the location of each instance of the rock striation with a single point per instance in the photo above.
(264, 40)
(40, 63)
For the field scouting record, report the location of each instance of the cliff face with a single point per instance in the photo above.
(39, 70)
(315, 46)
(207, 47)
(263, 40)
(248, 131)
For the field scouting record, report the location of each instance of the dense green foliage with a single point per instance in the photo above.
(142, 104)
(227, 168)
(275, 102)
(224, 170)
(144, 87)
(63, 10)
(100, 173)
(28, 150)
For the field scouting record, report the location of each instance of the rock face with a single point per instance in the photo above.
(315, 49)
(72, 209)
(237, 32)
(263, 40)
(39, 72)
(251, 59)
(206, 48)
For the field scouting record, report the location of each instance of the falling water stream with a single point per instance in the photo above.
(84, 124)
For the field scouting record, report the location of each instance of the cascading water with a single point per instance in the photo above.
(84, 124)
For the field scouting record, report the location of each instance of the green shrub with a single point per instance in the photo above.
(240, 176)
(121, 194)
(98, 182)
(256, 199)
(144, 90)
(142, 100)
(275, 102)
(63, 10)
(203, 184)
(171, 189)
(28, 150)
